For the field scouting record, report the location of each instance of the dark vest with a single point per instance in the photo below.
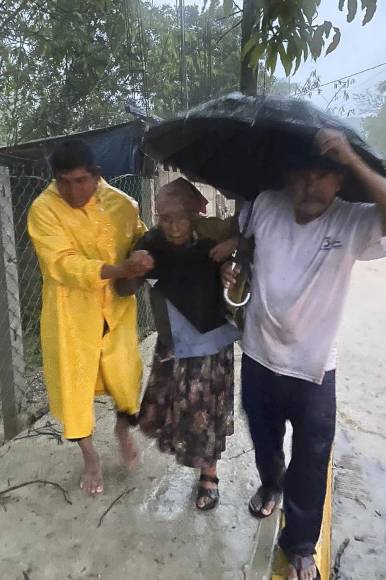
(188, 278)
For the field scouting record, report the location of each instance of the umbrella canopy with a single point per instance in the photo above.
(245, 145)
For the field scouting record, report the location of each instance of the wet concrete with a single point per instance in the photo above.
(360, 448)
(152, 532)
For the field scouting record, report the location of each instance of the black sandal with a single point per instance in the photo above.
(212, 494)
(265, 495)
(300, 563)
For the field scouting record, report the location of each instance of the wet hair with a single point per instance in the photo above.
(318, 163)
(72, 154)
(306, 156)
(185, 193)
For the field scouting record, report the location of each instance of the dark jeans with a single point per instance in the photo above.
(269, 400)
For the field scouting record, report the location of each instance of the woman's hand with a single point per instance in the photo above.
(135, 266)
(229, 274)
(224, 250)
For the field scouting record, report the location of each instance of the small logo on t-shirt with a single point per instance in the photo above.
(329, 243)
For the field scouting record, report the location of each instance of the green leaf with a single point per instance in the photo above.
(293, 49)
(298, 62)
(272, 54)
(286, 60)
(327, 27)
(352, 6)
(370, 6)
(309, 9)
(296, 49)
(304, 39)
(299, 42)
(228, 7)
(341, 5)
(335, 41)
(316, 42)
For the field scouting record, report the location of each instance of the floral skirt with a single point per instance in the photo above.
(188, 406)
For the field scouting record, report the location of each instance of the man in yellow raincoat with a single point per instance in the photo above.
(82, 230)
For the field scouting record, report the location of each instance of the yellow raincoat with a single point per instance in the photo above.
(79, 359)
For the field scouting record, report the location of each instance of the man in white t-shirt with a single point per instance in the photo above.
(306, 243)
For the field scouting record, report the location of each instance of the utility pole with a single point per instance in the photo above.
(248, 75)
(184, 80)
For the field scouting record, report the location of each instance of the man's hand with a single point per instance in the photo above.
(135, 266)
(229, 274)
(335, 145)
(223, 250)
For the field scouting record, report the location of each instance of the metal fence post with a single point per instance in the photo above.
(12, 378)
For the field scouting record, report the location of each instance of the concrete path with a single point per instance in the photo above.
(152, 533)
(359, 526)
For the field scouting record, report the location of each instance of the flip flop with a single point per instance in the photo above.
(300, 563)
(265, 495)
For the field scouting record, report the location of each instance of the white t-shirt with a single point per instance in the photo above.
(300, 279)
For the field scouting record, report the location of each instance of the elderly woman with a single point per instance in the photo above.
(188, 404)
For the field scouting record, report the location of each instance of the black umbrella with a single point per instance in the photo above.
(245, 145)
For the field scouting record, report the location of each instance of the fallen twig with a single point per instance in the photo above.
(112, 505)
(242, 453)
(369, 432)
(338, 558)
(41, 481)
(360, 502)
(48, 430)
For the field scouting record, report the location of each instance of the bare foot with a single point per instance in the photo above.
(127, 446)
(268, 508)
(307, 573)
(264, 502)
(91, 478)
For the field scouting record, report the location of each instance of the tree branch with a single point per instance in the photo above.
(9, 19)
(229, 30)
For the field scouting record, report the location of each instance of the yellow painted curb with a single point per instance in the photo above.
(323, 549)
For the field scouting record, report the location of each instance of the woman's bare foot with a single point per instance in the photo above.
(127, 446)
(91, 478)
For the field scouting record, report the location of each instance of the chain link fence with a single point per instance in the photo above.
(23, 397)
(142, 190)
